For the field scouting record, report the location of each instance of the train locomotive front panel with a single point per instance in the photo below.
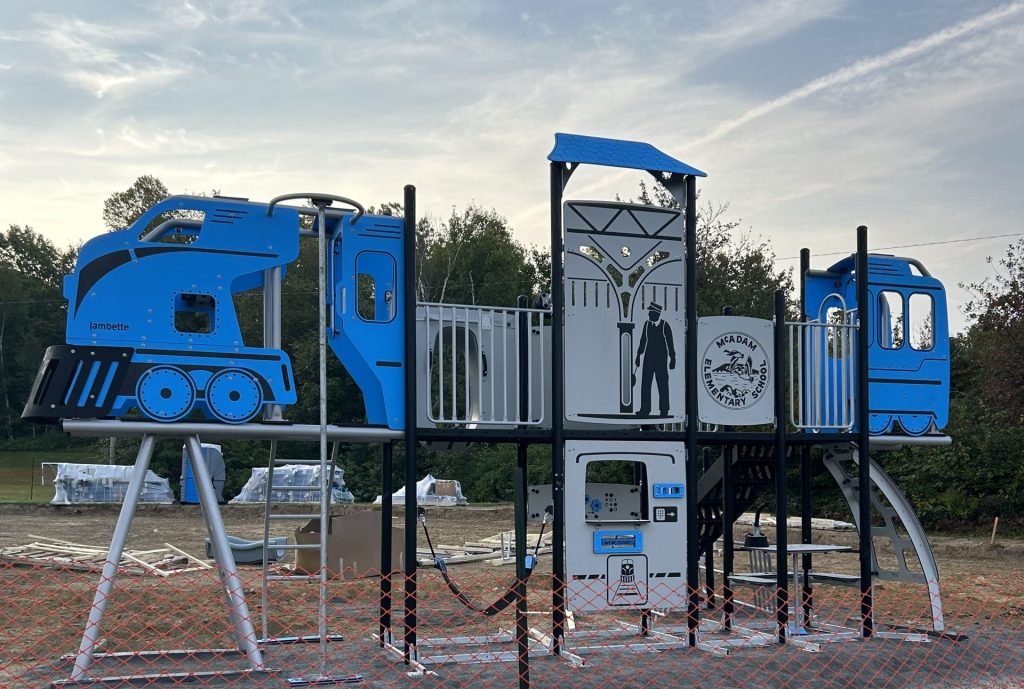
(152, 323)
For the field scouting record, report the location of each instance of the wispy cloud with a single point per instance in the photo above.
(101, 58)
(863, 68)
(760, 22)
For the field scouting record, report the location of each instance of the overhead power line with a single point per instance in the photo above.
(910, 246)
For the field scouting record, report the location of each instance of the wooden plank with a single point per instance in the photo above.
(201, 564)
(468, 548)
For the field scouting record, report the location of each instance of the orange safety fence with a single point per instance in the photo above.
(176, 630)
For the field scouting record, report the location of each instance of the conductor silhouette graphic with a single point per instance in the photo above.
(658, 353)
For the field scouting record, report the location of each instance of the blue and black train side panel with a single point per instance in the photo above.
(152, 323)
(908, 370)
(366, 330)
(908, 326)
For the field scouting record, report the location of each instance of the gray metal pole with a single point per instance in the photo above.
(106, 585)
(325, 480)
(242, 431)
(238, 609)
(272, 324)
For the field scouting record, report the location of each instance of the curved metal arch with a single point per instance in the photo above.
(898, 508)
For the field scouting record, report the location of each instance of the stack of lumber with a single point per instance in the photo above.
(492, 550)
(55, 554)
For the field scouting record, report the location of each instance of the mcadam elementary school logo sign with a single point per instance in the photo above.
(735, 370)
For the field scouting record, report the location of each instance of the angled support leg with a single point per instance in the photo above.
(106, 585)
(238, 609)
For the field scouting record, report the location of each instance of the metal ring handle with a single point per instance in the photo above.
(314, 198)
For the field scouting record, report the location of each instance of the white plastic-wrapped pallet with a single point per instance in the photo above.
(432, 491)
(76, 484)
(293, 475)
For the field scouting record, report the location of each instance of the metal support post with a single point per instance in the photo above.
(864, 431)
(805, 461)
(728, 521)
(558, 179)
(409, 322)
(692, 551)
(325, 480)
(520, 487)
(106, 584)
(386, 566)
(234, 593)
(728, 535)
(782, 537)
(272, 325)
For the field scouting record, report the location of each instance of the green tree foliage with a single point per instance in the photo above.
(472, 257)
(123, 208)
(996, 337)
(982, 474)
(32, 314)
(734, 268)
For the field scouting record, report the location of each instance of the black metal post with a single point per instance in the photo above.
(692, 550)
(728, 535)
(521, 486)
(805, 459)
(864, 431)
(728, 522)
(409, 323)
(386, 565)
(557, 411)
(781, 536)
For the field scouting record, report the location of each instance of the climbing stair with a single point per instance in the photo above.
(753, 470)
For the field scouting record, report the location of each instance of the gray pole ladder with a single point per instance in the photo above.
(327, 459)
(320, 546)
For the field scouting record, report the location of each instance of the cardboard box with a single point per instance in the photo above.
(445, 487)
(353, 546)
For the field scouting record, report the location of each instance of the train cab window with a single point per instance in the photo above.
(366, 297)
(890, 319)
(616, 491)
(921, 321)
(375, 286)
(194, 313)
(174, 227)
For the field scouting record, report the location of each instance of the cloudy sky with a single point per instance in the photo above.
(810, 117)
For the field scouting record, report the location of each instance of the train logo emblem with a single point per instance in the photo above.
(735, 370)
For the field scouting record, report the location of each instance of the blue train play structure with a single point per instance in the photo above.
(152, 322)
(154, 331)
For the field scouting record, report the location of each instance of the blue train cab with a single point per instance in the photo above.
(908, 324)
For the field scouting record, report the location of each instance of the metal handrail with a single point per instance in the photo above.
(317, 199)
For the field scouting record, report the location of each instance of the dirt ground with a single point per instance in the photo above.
(159, 613)
(183, 527)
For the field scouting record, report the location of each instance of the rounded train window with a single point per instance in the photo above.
(921, 321)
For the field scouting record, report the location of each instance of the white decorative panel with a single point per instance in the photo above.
(624, 313)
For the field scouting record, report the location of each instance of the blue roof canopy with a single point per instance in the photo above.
(593, 150)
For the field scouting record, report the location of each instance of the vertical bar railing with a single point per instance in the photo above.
(460, 379)
(821, 371)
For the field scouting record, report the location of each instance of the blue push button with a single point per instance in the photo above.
(669, 490)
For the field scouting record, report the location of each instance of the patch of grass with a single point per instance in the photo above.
(20, 472)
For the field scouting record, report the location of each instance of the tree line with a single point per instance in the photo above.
(471, 256)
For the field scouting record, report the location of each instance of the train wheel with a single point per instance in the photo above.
(915, 424)
(880, 423)
(234, 396)
(165, 393)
